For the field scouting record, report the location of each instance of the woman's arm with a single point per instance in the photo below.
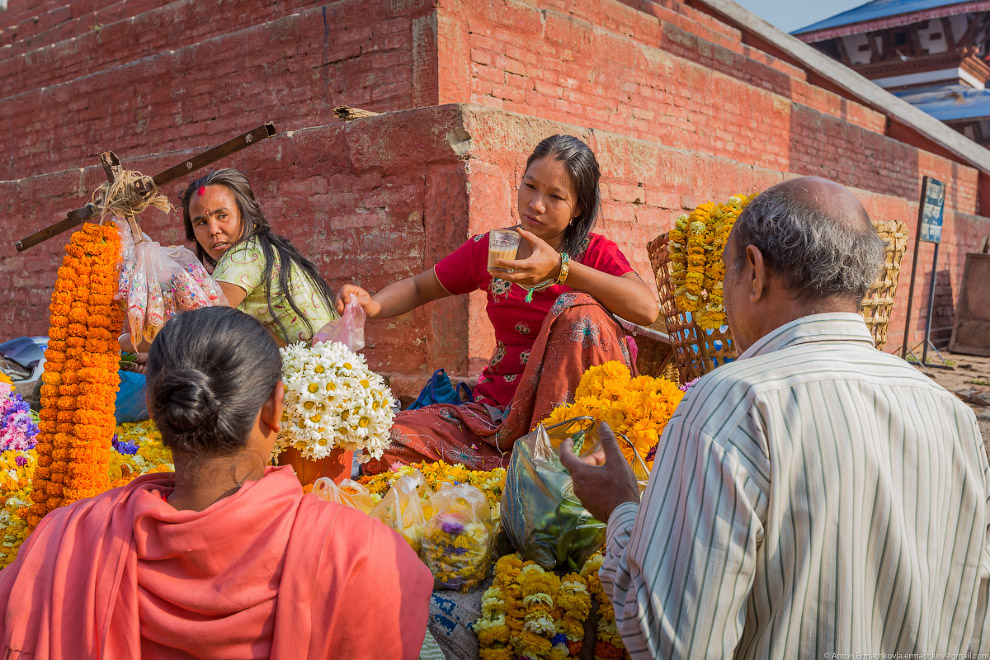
(397, 298)
(234, 294)
(626, 296)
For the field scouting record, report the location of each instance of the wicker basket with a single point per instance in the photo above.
(698, 351)
(879, 300)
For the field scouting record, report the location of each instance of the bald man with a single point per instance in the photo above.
(816, 498)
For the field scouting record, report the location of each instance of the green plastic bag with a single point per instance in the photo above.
(541, 516)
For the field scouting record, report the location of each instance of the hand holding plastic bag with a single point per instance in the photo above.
(542, 517)
(457, 543)
(405, 508)
(348, 329)
(349, 493)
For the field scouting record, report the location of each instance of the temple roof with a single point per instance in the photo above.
(882, 9)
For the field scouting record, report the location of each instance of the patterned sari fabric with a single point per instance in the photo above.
(578, 333)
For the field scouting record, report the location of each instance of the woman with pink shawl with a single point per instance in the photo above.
(225, 558)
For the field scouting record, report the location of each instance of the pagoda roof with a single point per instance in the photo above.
(883, 14)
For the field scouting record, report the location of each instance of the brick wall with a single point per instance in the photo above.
(165, 76)
(677, 107)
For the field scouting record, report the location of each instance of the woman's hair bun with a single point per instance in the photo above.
(186, 399)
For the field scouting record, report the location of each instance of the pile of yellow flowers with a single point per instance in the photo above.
(16, 472)
(531, 614)
(639, 407)
(138, 450)
(489, 482)
(608, 641)
(80, 380)
(696, 269)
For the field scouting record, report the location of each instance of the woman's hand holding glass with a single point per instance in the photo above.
(541, 265)
(368, 304)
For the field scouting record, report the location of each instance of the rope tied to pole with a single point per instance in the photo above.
(130, 193)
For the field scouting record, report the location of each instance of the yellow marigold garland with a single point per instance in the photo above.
(16, 472)
(531, 614)
(608, 642)
(639, 408)
(80, 380)
(697, 272)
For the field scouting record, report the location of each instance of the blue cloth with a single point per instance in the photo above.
(439, 389)
(130, 405)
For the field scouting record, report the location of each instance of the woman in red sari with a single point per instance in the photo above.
(225, 558)
(552, 314)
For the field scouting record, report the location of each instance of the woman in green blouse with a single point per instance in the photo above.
(233, 238)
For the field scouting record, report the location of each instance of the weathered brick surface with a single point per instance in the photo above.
(679, 107)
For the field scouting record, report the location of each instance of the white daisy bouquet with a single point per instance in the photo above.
(332, 399)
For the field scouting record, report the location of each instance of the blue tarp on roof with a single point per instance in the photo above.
(951, 103)
(872, 11)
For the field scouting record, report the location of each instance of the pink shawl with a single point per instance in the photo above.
(266, 572)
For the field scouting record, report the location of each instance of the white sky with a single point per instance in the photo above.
(790, 15)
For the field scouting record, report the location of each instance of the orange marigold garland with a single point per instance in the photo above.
(80, 380)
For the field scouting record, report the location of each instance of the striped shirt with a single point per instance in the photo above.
(816, 496)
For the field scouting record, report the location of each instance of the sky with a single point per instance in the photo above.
(790, 15)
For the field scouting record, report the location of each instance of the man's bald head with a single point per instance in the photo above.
(814, 234)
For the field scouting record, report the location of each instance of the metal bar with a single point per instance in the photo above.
(208, 157)
(914, 269)
(931, 307)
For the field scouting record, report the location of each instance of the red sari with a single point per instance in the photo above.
(542, 349)
(264, 573)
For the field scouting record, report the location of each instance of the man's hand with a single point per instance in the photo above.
(603, 480)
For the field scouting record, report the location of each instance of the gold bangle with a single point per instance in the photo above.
(565, 267)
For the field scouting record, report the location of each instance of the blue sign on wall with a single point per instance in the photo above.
(933, 202)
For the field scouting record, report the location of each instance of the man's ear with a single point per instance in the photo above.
(271, 412)
(759, 275)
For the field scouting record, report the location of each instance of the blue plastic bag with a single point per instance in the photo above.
(439, 389)
(130, 405)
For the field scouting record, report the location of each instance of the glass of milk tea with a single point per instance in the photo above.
(502, 244)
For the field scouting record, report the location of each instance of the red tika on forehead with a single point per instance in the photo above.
(201, 191)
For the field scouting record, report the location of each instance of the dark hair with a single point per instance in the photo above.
(818, 255)
(254, 225)
(582, 166)
(209, 372)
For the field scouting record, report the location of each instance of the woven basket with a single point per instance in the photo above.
(698, 351)
(879, 300)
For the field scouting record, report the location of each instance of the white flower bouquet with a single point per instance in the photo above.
(332, 399)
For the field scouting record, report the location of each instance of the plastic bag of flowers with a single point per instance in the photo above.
(543, 519)
(405, 508)
(458, 539)
(349, 493)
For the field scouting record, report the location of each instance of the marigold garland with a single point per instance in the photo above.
(639, 407)
(697, 272)
(77, 408)
(529, 613)
(608, 642)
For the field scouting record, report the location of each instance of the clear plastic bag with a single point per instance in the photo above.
(542, 517)
(458, 539)
(158, 282)
(405, 508)
(348, 329)
(349, 493)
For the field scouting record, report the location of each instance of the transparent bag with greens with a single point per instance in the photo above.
(543, 519)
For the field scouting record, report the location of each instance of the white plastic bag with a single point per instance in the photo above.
(348, 329)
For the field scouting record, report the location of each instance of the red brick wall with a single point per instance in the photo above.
(137, 77)
(677, 107)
